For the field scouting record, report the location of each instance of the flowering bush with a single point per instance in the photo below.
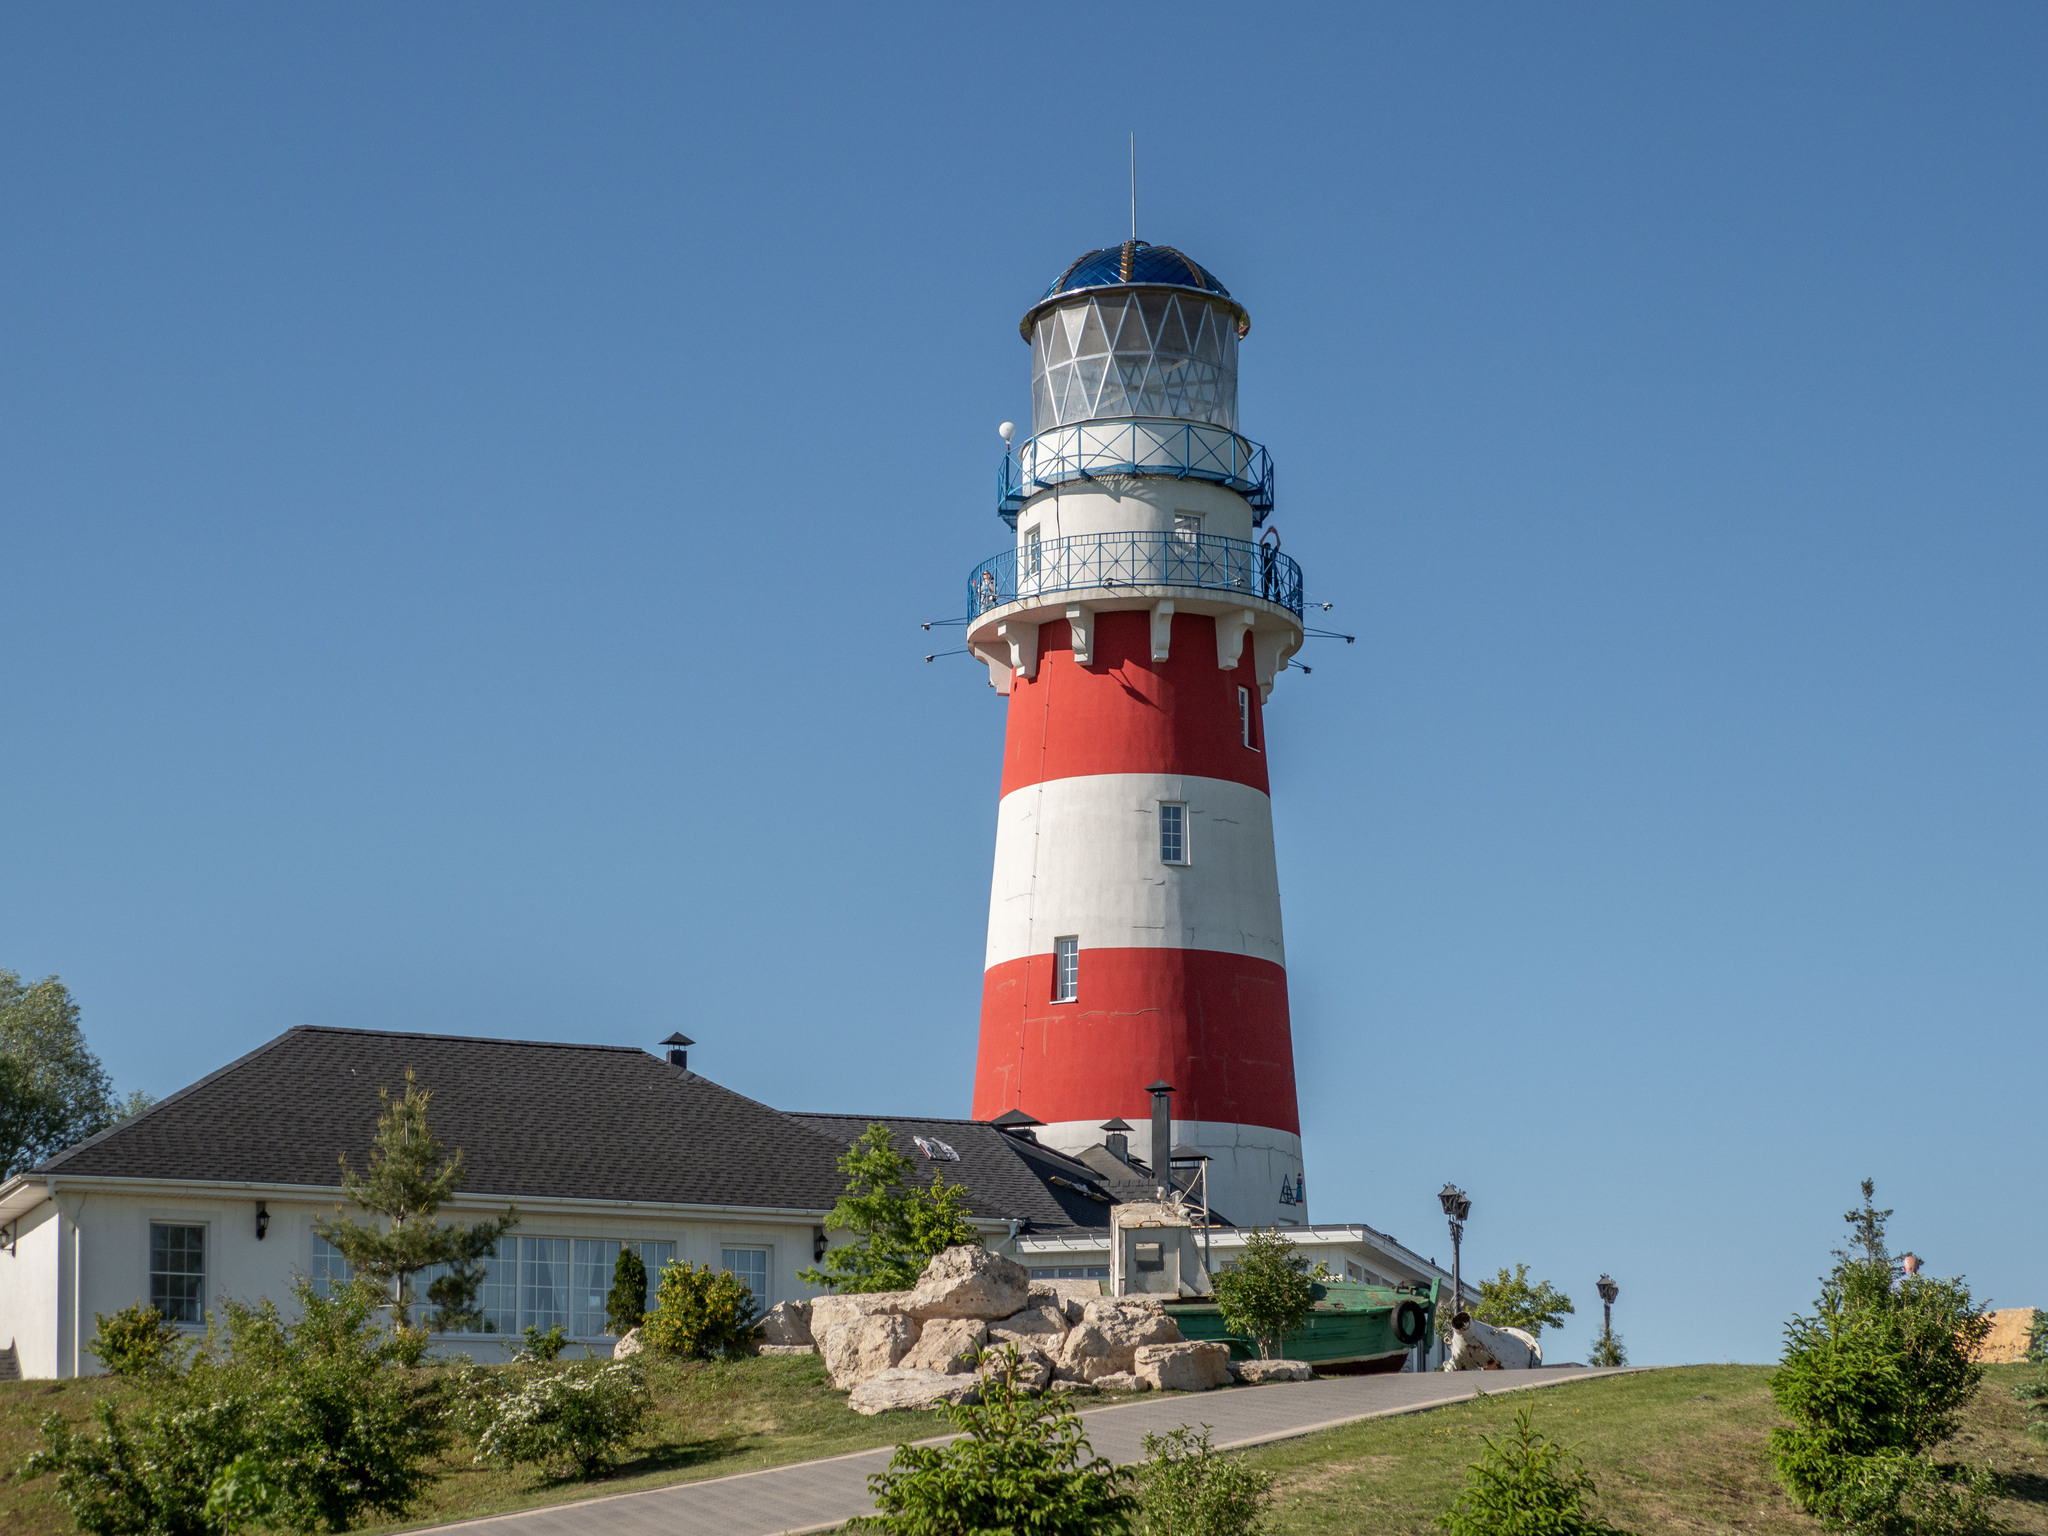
(577, 1416)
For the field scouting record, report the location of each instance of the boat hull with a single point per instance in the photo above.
(1352, 1330)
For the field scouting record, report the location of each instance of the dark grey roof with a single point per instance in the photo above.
(1006, 1176)
(594, 1122)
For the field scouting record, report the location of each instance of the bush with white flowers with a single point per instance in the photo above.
(578, 1417)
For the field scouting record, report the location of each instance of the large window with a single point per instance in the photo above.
(750, 1265)
(330, 1270)
(548, 1282)
(1173, 832)
(596, 1261)
(177, 1271)
(1066, 970)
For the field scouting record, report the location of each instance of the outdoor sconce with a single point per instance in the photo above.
(817, 1244)
(262, 1220)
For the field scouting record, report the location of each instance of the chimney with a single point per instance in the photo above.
(678, 1050)
(1117, 1138)
(1162, 1133)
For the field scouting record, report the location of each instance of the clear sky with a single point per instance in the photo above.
(471, 477)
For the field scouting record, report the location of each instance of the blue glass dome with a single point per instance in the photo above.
(1136, 264)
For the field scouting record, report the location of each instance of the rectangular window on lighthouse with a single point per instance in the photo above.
(1173, 833)
(1066, 970)
(1244, 717)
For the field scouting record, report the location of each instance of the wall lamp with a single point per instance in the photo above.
(262, 1220)
(818, 1244)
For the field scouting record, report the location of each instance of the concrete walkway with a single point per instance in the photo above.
(819, 1495)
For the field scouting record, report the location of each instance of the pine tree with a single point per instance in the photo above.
(899, 1226)
(410, 1177)
(626, 1307)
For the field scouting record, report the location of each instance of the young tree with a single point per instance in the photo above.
(626, 1305)
(1510, 1301)
(1866, 1234)
(410, 1177)
(899, 1226)
(1268, 1292)
(1525, 1484)
(1189, 1489)
(63, 1093)
(1607, 1350)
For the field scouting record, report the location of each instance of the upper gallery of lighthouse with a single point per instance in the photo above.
(1134, 330)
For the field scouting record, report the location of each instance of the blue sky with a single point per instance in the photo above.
(471, 477)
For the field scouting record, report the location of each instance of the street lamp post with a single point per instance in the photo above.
(1608, 1291)
(1457, 1205)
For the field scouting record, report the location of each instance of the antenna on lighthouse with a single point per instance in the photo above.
(1134, 184)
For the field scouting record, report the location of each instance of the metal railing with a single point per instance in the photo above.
(1186, 450)
(1135, 560)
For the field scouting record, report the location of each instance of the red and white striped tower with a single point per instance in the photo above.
(1136, 629)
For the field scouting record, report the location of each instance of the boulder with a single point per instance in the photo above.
(787, 1322)
(948, 1345)
(786, 1349)
(899, 1388)
(1068, 1384)
(1068, 1297)
(1107, 1340)
(629, 1345)
(1122, 1381)
(970, 1281)
(828, 1312)
(867, 1346)
(1183, 1367)
(1034, 1370)
(1258, 1372)
(1043, 1325)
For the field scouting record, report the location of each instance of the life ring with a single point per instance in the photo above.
(1410, 1322)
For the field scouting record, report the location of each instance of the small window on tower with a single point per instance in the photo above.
(1031, 551)
(1187, 527)
(1066, 970)
(1173, 833)
(1244, 717)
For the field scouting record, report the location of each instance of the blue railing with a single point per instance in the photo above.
(1186, 450)
(1135, 560)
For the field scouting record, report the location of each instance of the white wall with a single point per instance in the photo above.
(1134, 504)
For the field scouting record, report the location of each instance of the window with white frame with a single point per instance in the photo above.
(1066, 969)
(750, 1267)
(1033, 549)
(330, 1271)
(1187, 527)
(177, 1271)
(1173, 832)
(1244, 717)
(548, 1281)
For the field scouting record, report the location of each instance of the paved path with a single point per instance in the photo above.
(819, 1495)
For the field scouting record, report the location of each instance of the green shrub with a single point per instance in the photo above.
(1525, 1484)
(626, 1307)
(699, 1312)
(1021, 1468)
(1267, 1293)
(898, 1226)
(540, 1345)
(1188, 1489)
(2035, 1393)
(578, 1417)
(136, 1341)
(1607, 1350)
(324, 1407)
(1897, 1494)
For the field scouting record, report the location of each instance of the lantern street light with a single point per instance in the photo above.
(1457, 1205)
(1608, 1291)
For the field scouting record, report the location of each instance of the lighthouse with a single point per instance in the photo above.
(1135, 628)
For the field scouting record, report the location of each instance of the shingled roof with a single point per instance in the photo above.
(1006, 1176)
(592, 1122)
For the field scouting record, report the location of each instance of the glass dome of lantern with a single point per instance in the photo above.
(1134, 330)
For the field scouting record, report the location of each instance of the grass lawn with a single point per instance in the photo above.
(1674, 1451)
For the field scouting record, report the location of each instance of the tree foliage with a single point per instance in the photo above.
(1188, 1489)
(898, 1225)
(1525, 1484)
(1872, 1380)
(1510, 1301)
(699, 1312)
(1021, 1467)
(53, 1091)
(410, 1177)
(1608, 1350)
(626, 1305)
(319, 1421)
(136, 1341)
(1268, 1292)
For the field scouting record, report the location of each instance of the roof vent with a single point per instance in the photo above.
(679, 1050)
(1015, 1122)
(1117, 1138)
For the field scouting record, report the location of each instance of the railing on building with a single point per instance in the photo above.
(1135, 560)
(1186, 450)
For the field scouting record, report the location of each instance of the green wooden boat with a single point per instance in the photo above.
(1355, 1330)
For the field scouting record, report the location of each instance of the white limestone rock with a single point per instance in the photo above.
(867, 1346)
(1107, 1340)
(948, 1345)
(828, 1312)
(786, 1349)
(1257, 1373)
(1041, 1325)
(1196, 1367)
(899, 1388)
(970, 1281)
(1122, 1381)
(1068, 1297)
(629, 1345)
(787, 1322)
(1033, 1369)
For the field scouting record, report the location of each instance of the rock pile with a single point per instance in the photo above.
(934, 1344)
